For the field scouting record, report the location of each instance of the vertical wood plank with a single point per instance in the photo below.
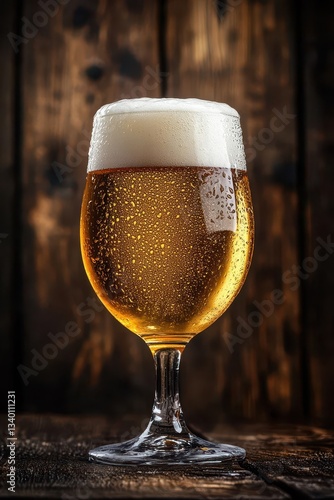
(87, 54)
(7, 168)
(240, 53)
(318, 267)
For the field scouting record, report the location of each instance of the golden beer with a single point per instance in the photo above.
(167, 248)
(167, 239)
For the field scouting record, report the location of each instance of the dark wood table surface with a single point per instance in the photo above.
(284, 461)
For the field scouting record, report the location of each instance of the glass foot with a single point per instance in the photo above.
(166, 450)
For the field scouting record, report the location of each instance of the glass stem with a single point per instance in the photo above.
(167, 416)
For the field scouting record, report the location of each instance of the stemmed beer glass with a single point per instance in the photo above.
(167, 239)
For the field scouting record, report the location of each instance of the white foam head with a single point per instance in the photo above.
(166, 132)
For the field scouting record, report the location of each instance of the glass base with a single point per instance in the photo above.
(165, 450)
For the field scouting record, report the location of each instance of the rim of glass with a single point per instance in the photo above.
(188, 105)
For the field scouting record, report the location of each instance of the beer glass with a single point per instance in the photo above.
(167, 240)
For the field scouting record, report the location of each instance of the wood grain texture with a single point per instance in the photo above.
(89, 53)
(282, 462)
(318, 50)
(244, 58)
(7, 190)
(296, 459)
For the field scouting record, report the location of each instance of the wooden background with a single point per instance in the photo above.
(263, 57)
